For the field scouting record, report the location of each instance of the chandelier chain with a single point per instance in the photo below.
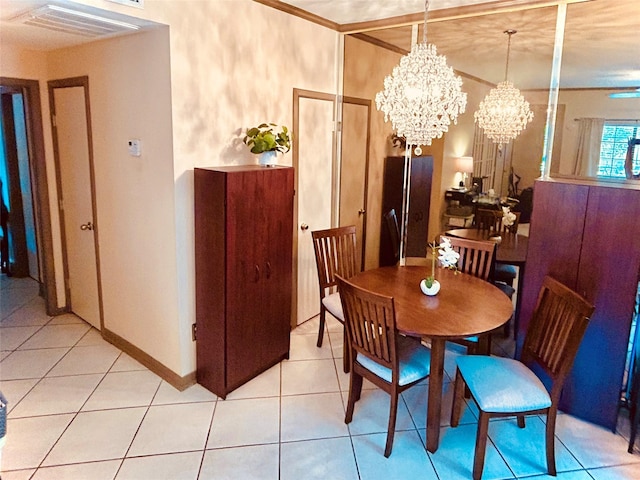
(506, 70)
(424, 30)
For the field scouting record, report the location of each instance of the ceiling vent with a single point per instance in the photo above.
(62, 19)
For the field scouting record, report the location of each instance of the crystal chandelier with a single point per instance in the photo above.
(422, 95)
(504, 112)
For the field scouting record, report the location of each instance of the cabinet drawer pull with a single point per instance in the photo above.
(268, 269)
(257, 278)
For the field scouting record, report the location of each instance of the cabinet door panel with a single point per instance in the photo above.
(607, 277)
(243, 269)
(557, 224)
(419, 204)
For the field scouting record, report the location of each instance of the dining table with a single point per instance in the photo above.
(465, 306)
(511, 249)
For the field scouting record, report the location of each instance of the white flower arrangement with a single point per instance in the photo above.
(508, 217)
(447, 257)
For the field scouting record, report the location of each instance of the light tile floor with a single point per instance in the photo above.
(81, 409)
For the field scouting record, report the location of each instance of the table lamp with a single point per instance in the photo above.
(464, 165)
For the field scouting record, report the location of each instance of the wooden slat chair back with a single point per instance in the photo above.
(503, 387)
(378, 352)
(491, 221)
(335, 252)
(555, 332)
(476, 256)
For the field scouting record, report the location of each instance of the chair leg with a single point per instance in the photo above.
(634, 418)
(346, 351)
(481, 445)
(321, 327)
(355, 388)
(458, 399)
(391, 429)
(550, 441)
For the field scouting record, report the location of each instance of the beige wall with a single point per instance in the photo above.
(187, 92)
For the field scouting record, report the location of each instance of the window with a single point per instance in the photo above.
(616, 137)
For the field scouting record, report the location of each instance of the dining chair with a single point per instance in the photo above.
(378, 352)
(476, 258)
(491, 222)
(503, 387)
(335, 251)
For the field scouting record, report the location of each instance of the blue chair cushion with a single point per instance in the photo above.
(506, 289)
(502, 385)
(414, 359)
(504, 270)
(333, 304)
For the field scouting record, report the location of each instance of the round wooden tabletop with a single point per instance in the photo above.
(512, 249)
(465, 305)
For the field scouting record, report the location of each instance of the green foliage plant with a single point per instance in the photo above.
(268, 137)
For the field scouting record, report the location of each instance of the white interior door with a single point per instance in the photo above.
(314, 194)
(354, 170)
(77, 202)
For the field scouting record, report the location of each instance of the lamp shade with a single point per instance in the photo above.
(464, 164)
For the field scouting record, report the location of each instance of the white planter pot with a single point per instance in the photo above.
(268, 159)
(433, 290)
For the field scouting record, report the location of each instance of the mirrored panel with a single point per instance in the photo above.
(600, 92)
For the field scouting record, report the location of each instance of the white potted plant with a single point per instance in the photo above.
(266, 140)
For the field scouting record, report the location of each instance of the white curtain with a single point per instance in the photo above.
(588, 152)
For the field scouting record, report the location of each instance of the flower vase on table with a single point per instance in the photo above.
(447, 257)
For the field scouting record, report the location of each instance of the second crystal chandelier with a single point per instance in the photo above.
(504, 112)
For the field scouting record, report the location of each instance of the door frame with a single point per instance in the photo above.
(40, 188)
(83, 82)
(297, 95)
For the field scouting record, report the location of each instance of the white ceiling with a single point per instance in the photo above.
(601, 44)
(352, 11)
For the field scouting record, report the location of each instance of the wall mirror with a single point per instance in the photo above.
(600, 56)
(599, 92)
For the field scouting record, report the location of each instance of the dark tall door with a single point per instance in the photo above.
(419, 204)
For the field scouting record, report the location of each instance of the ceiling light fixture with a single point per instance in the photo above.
(504, 112)
(632, 94)
(422, 96)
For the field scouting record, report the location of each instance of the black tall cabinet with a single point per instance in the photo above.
(419, 204)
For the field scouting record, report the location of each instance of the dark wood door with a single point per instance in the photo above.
(607, 277)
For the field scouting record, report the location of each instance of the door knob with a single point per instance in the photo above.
(362, 211)
(86, 226)
(304, 226)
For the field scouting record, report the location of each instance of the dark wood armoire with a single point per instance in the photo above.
(243, 267)
(587, 236)
(419, 204)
